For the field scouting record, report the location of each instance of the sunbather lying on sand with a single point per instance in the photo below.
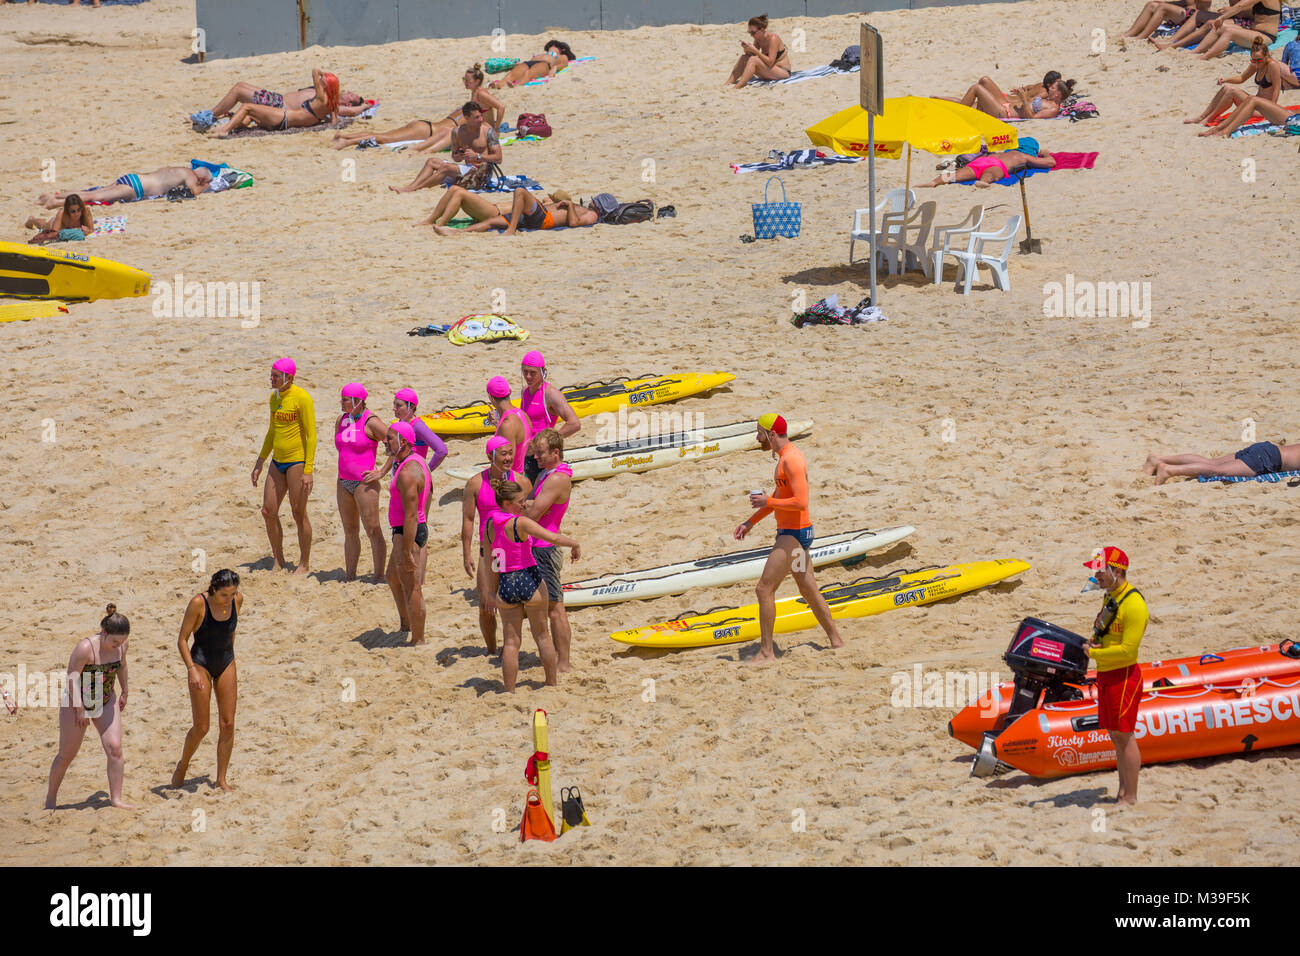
(323, 106)
(134, 186)
(474, 143)
(350, 104)
(555, 57)
(1156, 12)
(1194, 28)
(526, 212)
(984, 171)
(434, 135)
(1036, 101)
(1270, 75)
(1261, 458)
(73, 215)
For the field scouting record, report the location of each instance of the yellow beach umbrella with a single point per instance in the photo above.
(936, 126)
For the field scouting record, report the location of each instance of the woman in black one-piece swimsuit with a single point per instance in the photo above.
(211, 619)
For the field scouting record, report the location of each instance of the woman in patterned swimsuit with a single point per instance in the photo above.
(96, 662)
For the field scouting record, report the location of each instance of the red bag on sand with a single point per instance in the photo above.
(533, 124)
(536, 824)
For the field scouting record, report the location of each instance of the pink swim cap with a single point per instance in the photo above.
(354, 390)
(408, 395)
(495, 442)
(405, 430)
(534, 359)
(285, 365)
(498, 387)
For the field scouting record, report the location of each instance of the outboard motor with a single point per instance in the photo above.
(1044, 658)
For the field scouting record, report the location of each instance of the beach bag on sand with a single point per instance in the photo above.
(624, 213)
(480, 177)
(850, 59)
(499, 64)
(772, 219)
(533, 124)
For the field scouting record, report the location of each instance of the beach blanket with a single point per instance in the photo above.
(507, 184)
(816, 73)
(109, 226)
(1283, 38)
(796, 158)
(344, 123)
(1272, 479)
(546, 79)
(1259, 127)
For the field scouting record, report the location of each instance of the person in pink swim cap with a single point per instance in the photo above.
(427, 443)
(408, 504)
(544, 406)
(479, 501)
(512, 424)
(291, 442)
(358, 433)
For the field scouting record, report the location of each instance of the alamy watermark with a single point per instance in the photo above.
(1085, 299)
(207, 300)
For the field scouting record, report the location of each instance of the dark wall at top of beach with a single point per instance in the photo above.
(251, 27)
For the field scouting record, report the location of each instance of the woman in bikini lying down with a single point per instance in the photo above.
(1036, 101)
(555, 57)
(526, 212)
(434, 135)
(1270, 75)
(984, 171)
(323, 106)
(350, 104)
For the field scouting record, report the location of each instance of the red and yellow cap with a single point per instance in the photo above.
(772, 422)
(1107, 557)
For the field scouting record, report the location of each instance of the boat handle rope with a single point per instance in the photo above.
(1173, 695)
(1210, 657)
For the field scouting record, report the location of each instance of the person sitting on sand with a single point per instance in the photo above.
(433, 137)
(74, 216)
(473, 143)
(556, 55)
(1261, 458)
(1035, 101)
(984, 171)
(1270, 76)
(1194, 29)
(321, 107)
(1156, 12)
(1242, 24)
(350, 104)
(134, 186)
(526, 212)
(764, 56)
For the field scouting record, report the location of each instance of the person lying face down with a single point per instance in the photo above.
(984, 171)
(526, 212)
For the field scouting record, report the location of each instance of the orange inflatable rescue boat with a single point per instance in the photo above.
(1045, 722)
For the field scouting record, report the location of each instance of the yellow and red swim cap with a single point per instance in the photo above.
(772, 422)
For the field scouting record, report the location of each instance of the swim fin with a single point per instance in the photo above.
(536, 825)
(571, 808)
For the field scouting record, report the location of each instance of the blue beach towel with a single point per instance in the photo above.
(1273, 478)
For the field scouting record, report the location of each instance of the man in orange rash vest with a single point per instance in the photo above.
(794, 535)
(1117, 634)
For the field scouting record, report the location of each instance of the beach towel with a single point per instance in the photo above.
(109, 226)
(344, 123)
(506, 140)
(1274, 478)
(546, 79)
(1259, 127)
(816, 73)
(1283, 38)
(508, 184)
(796, 158)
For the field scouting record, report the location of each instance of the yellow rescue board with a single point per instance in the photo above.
(588, 400)
(38, 272)
(859, 599)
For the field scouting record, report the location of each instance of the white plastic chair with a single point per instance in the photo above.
(968, 262)
(946, 236)
(907, 243)
(896, 200)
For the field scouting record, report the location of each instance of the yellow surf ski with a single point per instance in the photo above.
(588, 400)
(858, 599)
(36, 272)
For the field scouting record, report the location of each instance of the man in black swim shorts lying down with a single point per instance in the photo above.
(1261, 458)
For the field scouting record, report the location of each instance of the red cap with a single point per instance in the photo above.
(1108, 555)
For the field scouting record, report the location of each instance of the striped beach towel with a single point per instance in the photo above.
(1273, 478)
(816, 73)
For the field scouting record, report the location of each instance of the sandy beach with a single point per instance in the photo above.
(997, 431)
